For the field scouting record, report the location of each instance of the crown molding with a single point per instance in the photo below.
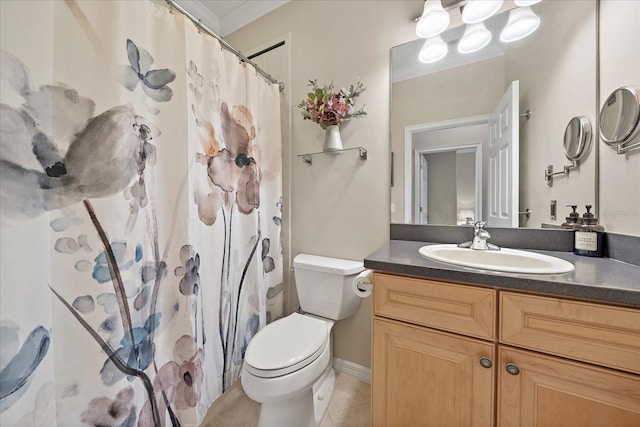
(246, 13)
(199, 10)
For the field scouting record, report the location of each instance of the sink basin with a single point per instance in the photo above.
(509, 260)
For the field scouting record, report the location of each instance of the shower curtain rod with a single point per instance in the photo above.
(240, 55)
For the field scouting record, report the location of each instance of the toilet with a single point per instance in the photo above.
(288, 366)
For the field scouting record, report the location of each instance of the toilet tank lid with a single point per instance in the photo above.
(327, 265)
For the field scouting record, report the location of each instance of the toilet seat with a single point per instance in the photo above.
(286, 345)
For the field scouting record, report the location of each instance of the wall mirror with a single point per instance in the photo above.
(442, 111)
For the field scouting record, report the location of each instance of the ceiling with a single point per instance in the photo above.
(226, 16)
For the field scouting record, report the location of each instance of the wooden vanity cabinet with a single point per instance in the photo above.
(445, 355)
(428, 366)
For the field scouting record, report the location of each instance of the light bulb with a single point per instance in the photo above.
(434, 49)
(476, 36)
(522, 22)
(434, 19)
(526, 2)
(479, 10)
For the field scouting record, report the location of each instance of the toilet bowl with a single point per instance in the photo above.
(283, 383)
(288, 364)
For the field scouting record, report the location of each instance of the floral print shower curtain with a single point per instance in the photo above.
(140, 206)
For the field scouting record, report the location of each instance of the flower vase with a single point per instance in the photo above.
(332, 140)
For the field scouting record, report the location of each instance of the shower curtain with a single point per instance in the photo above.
(140, 206)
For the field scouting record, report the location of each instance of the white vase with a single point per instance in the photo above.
(332, 140)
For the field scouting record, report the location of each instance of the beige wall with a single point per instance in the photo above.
(340, 204)
(619, 65)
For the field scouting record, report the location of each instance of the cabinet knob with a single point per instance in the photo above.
(485, 362)
(512, 369)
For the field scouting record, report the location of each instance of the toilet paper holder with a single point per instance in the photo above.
(364, 286)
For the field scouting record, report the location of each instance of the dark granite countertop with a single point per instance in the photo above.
(594, 279)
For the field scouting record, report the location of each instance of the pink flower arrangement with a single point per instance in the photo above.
(327, 108)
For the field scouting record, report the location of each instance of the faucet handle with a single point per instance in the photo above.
(480, 236)
(479, 226)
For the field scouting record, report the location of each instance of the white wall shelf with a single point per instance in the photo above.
(307, 157)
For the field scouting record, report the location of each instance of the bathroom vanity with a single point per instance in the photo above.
(458, 346)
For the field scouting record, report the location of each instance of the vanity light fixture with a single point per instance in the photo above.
(476, 36)
(522, 22)
(434, 19)
(434, 49)
(526, 2)
(478, 10)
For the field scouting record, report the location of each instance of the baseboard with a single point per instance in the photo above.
(353, 369)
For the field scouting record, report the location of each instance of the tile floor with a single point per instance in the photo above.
(350, 406)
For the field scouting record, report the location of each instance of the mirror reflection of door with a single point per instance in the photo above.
(502, 161)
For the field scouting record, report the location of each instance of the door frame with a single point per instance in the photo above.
(422, 193)
(478, 175)
(410, 158)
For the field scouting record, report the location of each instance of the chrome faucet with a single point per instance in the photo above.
(480, 236)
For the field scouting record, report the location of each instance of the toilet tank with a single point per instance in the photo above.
(324, 285)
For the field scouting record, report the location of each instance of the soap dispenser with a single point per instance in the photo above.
(572, 221)
(589, 236)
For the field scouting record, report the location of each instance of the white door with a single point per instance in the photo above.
(501, 161)
(424, 190)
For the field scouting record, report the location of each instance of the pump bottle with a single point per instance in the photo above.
(589, 236)
(572, 221)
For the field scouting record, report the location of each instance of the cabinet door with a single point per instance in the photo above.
(548, 391)
(423, 377)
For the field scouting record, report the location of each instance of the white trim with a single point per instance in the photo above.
(422, 127)
(200, 11)
(246, 13)
(353, 369)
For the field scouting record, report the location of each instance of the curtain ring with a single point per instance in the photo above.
(199, 26)
(170, 4)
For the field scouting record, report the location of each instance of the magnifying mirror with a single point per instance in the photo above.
(577, 138)
(620, 116)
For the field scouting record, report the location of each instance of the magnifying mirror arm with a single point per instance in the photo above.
(549, 173)
(623, 148)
